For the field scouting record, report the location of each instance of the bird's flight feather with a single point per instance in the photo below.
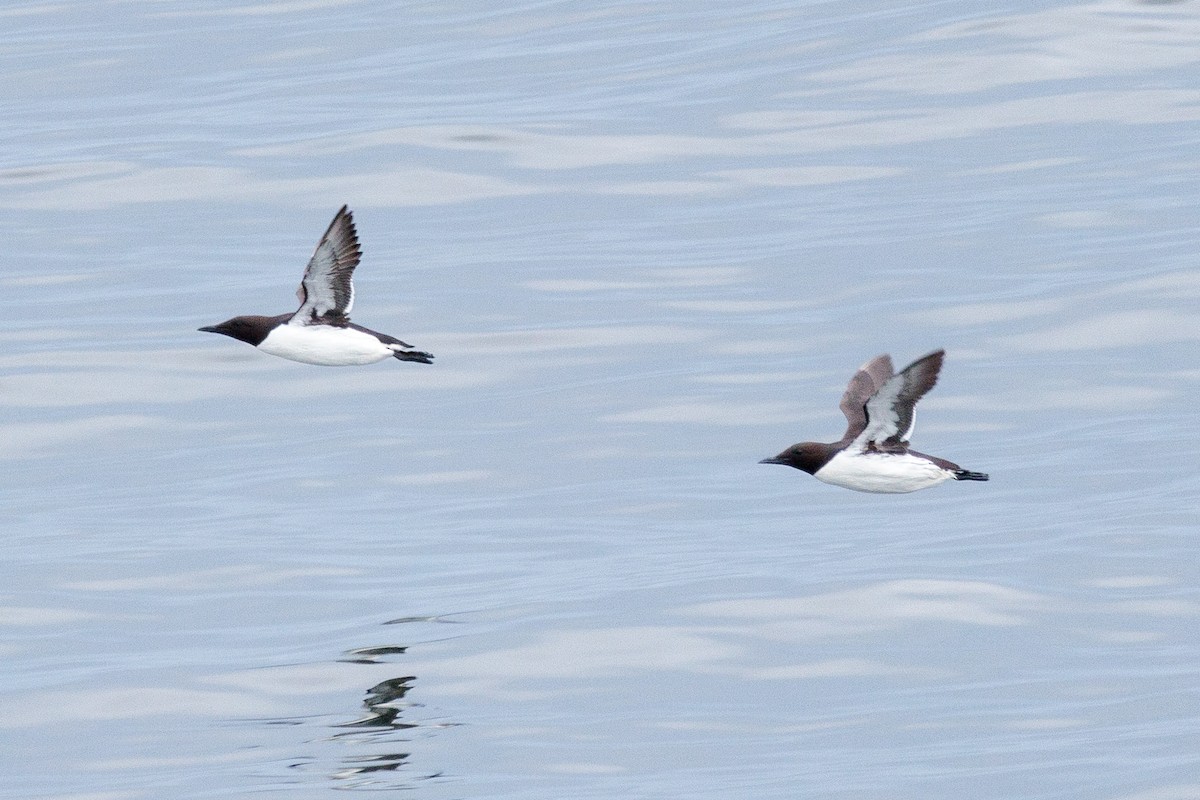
(866, 382)
(326, 293)
(890, 411)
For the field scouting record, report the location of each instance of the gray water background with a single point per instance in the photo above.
(649, 243)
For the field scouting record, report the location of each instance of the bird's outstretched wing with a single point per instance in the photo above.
(866, 382)
(891, 414)
(327, 292)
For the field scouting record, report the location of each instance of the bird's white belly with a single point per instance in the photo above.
(882, 474)
(324, 345)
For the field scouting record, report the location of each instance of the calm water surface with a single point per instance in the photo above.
(648, 242)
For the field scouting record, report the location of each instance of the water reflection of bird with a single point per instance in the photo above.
(384, 703)
(873, 454)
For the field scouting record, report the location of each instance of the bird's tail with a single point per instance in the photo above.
(967, 475)
(413, 355)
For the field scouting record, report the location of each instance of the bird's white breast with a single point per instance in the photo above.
(881, 473)
(325, 345)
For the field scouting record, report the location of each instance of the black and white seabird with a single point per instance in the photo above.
(873, 454)
(320, 331)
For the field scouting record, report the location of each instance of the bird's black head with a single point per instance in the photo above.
(251, 330)
(806, 456)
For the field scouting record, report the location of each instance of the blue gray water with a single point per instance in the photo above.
(649, 243)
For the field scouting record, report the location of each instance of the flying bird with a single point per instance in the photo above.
(873, 454)
(320, 331)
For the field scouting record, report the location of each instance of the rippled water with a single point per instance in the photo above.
(648, 243)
